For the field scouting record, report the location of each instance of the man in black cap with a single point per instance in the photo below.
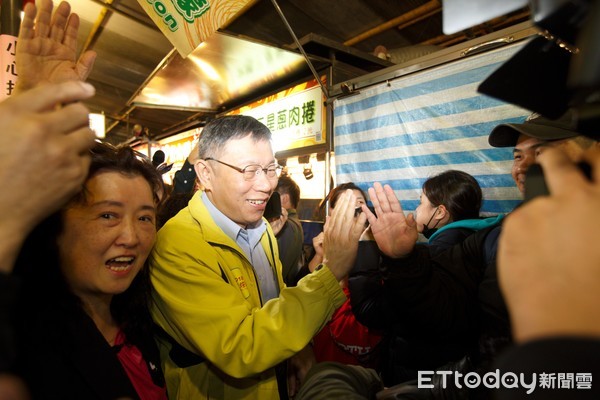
(456, 293)
(531, 137)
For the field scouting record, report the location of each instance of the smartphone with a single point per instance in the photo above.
(358, 210)
(273, 207)
(535, 183)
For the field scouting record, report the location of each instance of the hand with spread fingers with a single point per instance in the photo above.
(395, 233)
(47, 47)
(549, 263)
(341, 234)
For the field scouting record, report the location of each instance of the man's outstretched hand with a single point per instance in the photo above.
(395, 233)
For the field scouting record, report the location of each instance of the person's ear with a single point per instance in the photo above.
(204, 174)
(285, 198)
(442, 212)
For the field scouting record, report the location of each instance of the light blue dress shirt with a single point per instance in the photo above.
(249, 241)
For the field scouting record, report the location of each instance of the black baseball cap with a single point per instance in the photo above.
(536, 126)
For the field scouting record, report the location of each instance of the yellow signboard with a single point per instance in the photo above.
(187, 23)
(295, 116)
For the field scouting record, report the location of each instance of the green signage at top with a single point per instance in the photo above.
(191, 9)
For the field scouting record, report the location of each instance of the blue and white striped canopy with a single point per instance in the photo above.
(403, 131)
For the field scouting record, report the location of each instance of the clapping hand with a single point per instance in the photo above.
(341, 234)
(395, 233)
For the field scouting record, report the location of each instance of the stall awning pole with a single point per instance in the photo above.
(312, 68)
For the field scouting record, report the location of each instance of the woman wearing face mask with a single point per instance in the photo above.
(84, 328)
(448, 213)
(449, 209)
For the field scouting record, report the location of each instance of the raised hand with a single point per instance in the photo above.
(44, 157)
(548, 259)
(341, 233)
(47, 47)
(394, 233)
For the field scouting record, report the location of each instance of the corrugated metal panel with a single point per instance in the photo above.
(130, 47)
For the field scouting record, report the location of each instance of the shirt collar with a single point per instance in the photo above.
(229, 227)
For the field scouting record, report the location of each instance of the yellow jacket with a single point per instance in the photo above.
(207, 299)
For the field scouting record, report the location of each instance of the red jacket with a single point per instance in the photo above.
(346, 340)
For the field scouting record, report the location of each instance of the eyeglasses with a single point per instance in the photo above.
(251, 172)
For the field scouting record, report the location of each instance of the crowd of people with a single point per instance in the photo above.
(95, 303)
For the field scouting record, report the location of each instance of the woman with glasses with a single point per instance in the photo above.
(84, 327)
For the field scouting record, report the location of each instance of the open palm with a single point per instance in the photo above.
(395, 233)
(47, 47)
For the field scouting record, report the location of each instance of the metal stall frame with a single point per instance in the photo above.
(514, 34)
(365, 125)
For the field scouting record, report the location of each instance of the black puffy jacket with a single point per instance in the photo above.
(437, 305)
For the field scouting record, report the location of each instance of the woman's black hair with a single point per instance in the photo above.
(38, 263)
(124, 160)
(341, 188)
(458, 191)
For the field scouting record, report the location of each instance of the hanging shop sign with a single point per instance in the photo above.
(188, 23)
(295, 116)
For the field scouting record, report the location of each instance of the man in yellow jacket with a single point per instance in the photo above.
(228, 319)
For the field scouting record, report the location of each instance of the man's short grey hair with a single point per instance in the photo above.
(218, 132)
